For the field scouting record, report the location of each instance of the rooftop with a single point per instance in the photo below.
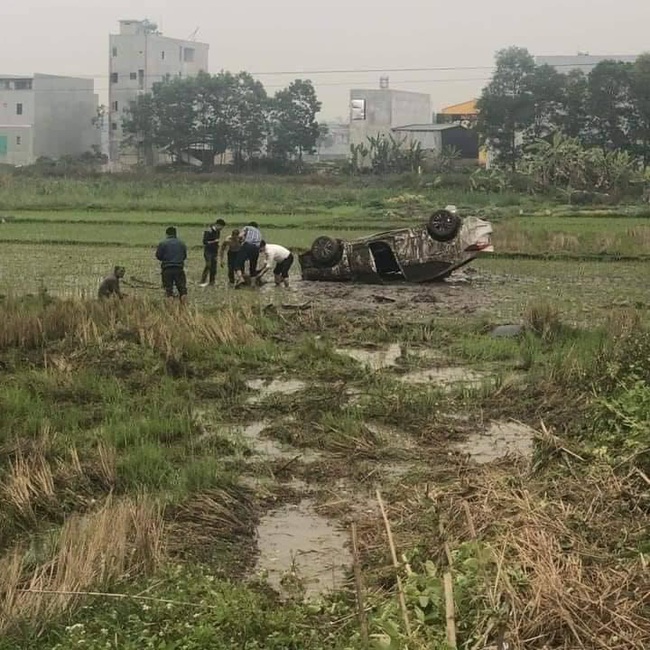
(427, 127)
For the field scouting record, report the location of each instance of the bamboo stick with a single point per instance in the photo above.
(400, 588)
(358, 581)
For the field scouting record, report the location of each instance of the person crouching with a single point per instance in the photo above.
(280, 258)
(110, 285)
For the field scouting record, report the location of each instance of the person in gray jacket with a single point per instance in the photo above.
(172, 253)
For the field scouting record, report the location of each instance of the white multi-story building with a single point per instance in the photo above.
(141, 56)
(46, 116)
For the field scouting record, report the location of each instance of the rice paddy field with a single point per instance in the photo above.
(332, 466)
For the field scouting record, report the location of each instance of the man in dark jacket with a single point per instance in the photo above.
(172, 253)
(211, 252)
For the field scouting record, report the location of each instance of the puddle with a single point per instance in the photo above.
(445, 376)
(270, 448)
(264, 388)
(501, 439)
(260, 445)
(295, 542)
(374, 359)
(392, 437)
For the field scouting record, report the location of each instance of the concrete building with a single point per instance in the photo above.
(46, 115)
(435, 137)
(582, 61)
(141, 56)
(377, 112)
(335, 145)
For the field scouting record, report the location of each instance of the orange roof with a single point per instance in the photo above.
(466, 108)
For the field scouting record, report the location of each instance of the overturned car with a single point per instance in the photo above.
(424, 253)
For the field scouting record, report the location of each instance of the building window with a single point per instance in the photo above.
(114, 126)
(19, 109)
(163, 55)
(114, 77)
(115, 106)
(358, 107)
(114, 51)
(23, 84)
(141, 79)
(188, 54)
(133, 76)
(19, 140)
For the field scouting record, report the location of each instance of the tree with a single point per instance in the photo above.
(202, 117)
(640, 90)
(248, 118)
(573, 120)
(547, 86)
(139, 127)
(507, 104)
(611, 110)
(294, 129)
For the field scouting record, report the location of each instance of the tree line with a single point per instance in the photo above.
(208, 115)
(524, 103)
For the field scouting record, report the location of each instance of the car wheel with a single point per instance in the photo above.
(325, 250)
(443, 225)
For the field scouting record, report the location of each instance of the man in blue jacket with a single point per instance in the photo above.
(172, 253)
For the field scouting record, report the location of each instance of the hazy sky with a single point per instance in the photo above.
(71, 37)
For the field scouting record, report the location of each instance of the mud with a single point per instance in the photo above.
(500, 440)
(392, 437)
(374, 359)
(271, 449)
(300, 550)
(461, 294)
(263, 388)
(448, 377)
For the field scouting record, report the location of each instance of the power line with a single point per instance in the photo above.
(318, 71)
(349, 84)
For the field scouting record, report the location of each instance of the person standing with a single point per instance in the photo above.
(172, 253)
(251, 237)
(280, 258)
(211, 252)
(231, 247)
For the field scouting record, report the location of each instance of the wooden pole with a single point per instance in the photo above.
(358, 581)
(400, 588)
(448, 583)
(449, 610)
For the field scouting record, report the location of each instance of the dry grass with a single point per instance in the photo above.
(119, 541)
(217, 515)
(37, 479)
(553, 564)
(543, 319)
(166, 328)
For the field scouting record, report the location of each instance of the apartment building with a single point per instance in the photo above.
(46, 115)
(375, 112)
(141, 56)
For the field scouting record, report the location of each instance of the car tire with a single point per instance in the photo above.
(326, 250)
(443, 225)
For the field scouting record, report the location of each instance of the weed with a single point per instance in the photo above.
(543, 319)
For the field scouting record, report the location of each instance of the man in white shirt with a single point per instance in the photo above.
(280, 258)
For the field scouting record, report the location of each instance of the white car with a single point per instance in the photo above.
(424, 253)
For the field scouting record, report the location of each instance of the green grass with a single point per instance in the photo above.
(229, 194)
